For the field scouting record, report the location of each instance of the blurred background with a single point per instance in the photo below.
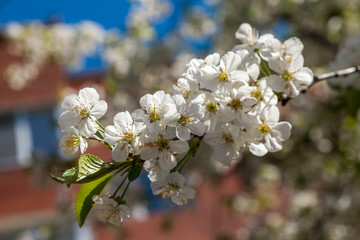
(125, 49)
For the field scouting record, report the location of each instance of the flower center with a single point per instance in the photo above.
(170, 190)
(287, 76)
(228, 138)
(264, 128)
(256, 94)
(163, 144)
(83, 112)
(129, 137)
(211, 107)
(186, 93)
(154, 115)
(183, 120)
(223, 77)
(173, 188)
(72, 141)
(235, 104)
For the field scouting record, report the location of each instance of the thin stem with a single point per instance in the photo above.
(185, 160)
(262, 71)
(122, 183)
(99, 134)
(100, 125)
(126, 188)
(263, 68)
(120, 169)
(268, 73)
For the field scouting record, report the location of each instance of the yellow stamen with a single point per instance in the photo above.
(223, 77)
(83, 112)
(264, 128)
(211, 107)
(72, 141)
(235, 104)
(228, 138)
(183, 120)
(154, 115)
(287, 76)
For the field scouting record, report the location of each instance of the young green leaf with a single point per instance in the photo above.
(91, 168)
(56, 179)
(83, 200)
(70, 176)
(88, 164)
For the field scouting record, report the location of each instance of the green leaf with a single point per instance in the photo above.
(70, 176)
(60, 169)
(135, 172)
(107, 167)
(56, 179)
(87, 165)
(83, 200)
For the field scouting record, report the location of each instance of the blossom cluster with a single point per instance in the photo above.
(38, 43)
(68, 44)
(229, 101)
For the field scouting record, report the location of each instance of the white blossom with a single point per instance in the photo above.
(161, 145)
(292, 78)
(185, 87)
(155, 172)
(269, 132)
(212, 110)
(157, 111)
(247, 35)
(125, 134)
(214, 77)
(238, 98)
(82, 111)
(72, 141)
(107, 209)
(189, 119)
(173, 187)
(226, 142)
(195, 66)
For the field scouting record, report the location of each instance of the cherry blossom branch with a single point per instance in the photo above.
(340, 73)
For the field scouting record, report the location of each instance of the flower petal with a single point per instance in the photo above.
(283, 130)
(178, 146)
(120, 152)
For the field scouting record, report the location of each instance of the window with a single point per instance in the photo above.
(7, 142)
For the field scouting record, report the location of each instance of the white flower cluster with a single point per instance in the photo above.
(144, 13)
(199, 25)
(284, 58)
(37, 43)
(68, 44)
(220, 99)
(78, 119)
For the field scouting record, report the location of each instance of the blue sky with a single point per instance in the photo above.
(110, 14)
